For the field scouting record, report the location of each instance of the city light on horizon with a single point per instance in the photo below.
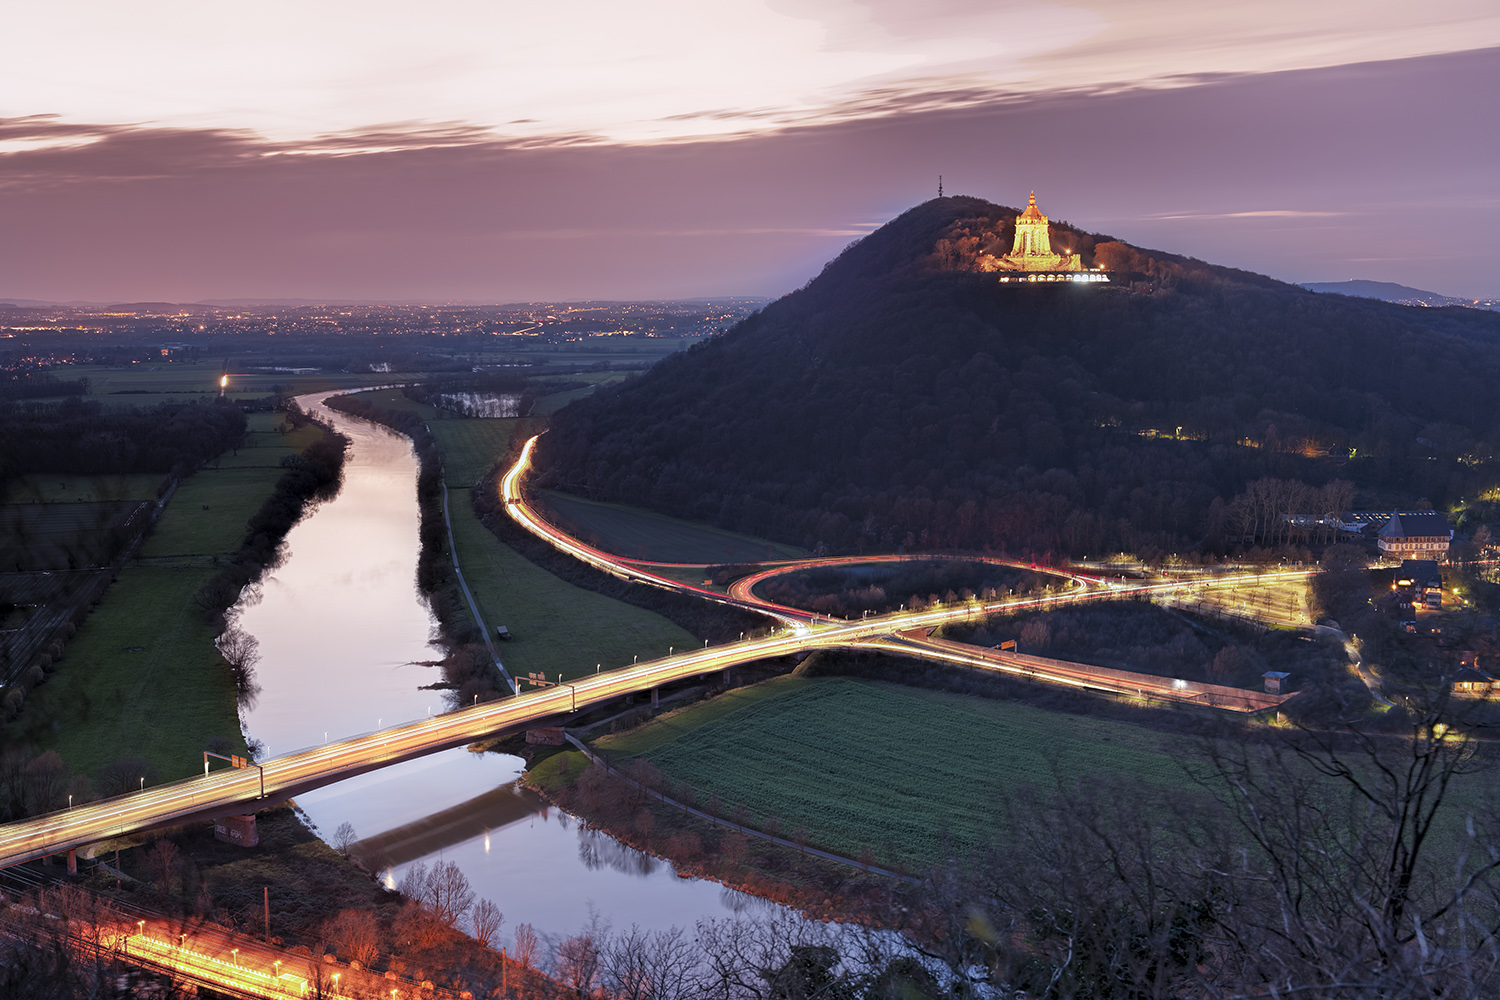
(480, 152)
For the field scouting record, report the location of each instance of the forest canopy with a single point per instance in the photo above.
(905, 398)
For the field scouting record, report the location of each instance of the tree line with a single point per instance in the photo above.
(82, 437)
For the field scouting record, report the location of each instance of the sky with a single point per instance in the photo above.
(493, 151)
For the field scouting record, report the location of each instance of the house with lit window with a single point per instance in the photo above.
(1423, 535)
(1473, 681)
(1419, 582)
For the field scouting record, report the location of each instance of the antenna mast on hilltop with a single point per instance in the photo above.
(940, 185)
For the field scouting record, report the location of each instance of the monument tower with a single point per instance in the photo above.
(1032, 250)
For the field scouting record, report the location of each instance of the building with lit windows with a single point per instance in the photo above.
(1422, 535)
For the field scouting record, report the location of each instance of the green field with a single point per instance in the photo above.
(142, 678)
(81, 489)
(209, 511)
(554, 401)
(641, 534)
(392, 399)
(267, 441)
(864, 764)
(179, 381)
(558, 628)
(471, 447)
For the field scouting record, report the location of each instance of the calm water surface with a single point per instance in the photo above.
(343, 636)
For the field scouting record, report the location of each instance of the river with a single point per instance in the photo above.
(343, 635)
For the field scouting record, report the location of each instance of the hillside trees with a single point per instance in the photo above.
(898, 401)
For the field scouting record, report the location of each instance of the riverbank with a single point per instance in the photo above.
(470, 668)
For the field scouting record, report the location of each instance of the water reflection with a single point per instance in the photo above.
(598, 850)
(480, 404)
(343, 634)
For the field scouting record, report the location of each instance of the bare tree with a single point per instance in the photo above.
(449, 893)
(577, 963)
(526, 945)
(354, 935)
(344, 838)
(161, 862)
(1346, 886)
(656, 965)
(486, 920)
(241, 651)
(46, 783)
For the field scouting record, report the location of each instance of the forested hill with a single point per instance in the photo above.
(906, 397)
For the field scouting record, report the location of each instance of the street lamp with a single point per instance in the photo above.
(236, 953)
(143, 784)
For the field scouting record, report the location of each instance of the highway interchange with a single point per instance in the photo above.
(231, 791)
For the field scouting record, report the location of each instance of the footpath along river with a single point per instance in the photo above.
(342, 633)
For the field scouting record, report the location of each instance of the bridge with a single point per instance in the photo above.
(236, 791)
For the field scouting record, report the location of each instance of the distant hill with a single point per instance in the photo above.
(905, 397)
(1386, 291)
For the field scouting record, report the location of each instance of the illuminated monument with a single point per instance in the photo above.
(1032, 250)
(1032, 253)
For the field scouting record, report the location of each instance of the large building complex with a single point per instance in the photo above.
(1415, 536)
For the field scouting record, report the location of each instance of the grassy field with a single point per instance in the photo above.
(637, 533)
(554, 401)
(558, 627)
(81, 489)
(392, 399)
(143, 385)
(471, 447)
(863, 764)
(142, 678)
(267, 441)
(208, 512)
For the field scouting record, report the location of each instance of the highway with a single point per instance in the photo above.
(230, 791)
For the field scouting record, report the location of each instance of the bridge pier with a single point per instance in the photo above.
(727, 678)
(238, 830)
(656, 697)
(73, 861)
(47, 860)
